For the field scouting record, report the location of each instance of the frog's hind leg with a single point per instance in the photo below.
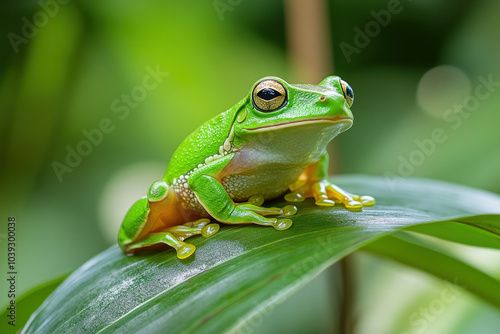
(201, 226)
(175, 235)
(143, 228)
(183, 249)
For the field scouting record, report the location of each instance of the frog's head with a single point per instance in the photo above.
(274, 102)
(306, 116)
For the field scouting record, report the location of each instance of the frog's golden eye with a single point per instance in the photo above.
(348, 93)
(269, 95)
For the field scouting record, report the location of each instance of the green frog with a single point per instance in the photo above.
(272, 142)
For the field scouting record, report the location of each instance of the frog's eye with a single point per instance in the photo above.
(269, 95)
(348, 93)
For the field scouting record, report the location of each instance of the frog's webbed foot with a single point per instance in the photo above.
(327, 194)
(201, 226)
(253, 206)
(183, 249)
(252, 210)
(174, 236)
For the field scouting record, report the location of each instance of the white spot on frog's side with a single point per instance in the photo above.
(188, 198)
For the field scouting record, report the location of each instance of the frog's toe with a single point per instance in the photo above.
(353, 205)
(186, 250)
(294, 197)
(210, 230)
(256, 200)
(325, 202)
(289, 210)
(367, 200)
(282, 224)
(199, 223)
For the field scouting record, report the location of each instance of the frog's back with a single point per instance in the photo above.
(199, 145)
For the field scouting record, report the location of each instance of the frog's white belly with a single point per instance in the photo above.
(270, 181)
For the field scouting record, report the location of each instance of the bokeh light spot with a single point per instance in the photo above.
(440, 88)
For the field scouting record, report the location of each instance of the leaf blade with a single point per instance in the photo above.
(417, 255)
(472, 231)
(28, 303)
(238, 271)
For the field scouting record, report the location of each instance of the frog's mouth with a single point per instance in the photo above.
(333, 120)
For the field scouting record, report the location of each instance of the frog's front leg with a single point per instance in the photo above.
(219, 205)
(314, 183)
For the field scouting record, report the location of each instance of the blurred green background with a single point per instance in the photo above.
(68, 66)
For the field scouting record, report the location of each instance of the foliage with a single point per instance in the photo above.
(241, 271)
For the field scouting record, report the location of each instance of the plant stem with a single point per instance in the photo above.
(346, 306)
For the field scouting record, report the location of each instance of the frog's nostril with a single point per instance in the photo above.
(322, 98)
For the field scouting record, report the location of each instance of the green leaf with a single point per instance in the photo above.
(241, 270)
(27, 304)
(426, 257)
(471, 231)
